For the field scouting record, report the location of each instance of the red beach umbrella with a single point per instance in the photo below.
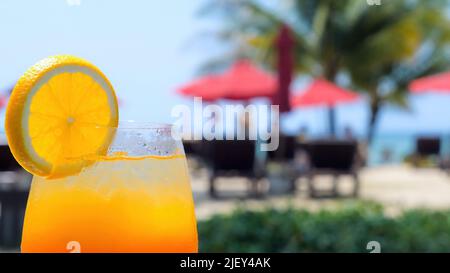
(208, 88)
(246, 81)
(3, 101)
(4, 96)
(439, 83)
(285, 44)
(324, 93)
(243, 81)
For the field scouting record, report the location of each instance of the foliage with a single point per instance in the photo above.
(380, 49)
(345, 230)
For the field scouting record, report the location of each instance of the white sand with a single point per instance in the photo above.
(396, 187)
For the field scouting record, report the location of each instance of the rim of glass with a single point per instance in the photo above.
(139, 125)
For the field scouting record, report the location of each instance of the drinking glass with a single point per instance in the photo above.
(136, 198)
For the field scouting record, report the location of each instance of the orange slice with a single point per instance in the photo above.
(60, 111)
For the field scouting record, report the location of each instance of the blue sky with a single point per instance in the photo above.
(148, 48)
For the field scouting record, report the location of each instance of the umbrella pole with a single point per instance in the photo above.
(332, 120)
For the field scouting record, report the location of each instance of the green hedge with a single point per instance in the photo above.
(343, 230)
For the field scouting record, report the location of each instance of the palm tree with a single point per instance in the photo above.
(378, 48)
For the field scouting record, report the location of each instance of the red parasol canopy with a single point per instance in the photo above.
(3, 101)
(246, 81)
(208, 87)
(242, 82)
(4, 97)
(437, 83)
(322, 92)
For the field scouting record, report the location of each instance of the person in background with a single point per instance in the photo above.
(348, 133)
(303, 135)
(361, 154)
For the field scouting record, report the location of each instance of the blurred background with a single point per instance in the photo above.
(363, 87)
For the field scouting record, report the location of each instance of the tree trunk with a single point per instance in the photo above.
(331, 69)
(330, 72)
(375, 106)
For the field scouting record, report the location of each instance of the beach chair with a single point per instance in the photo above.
(427, 147)
(332, 157)
(193, 150)
(232, 158)
(192, 147)
(291, 155)
(285, 151)
(14, 187)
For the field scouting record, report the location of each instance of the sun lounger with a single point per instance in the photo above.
(14, 186)
(332, 157)
(227, 158)
(285, 151)
(426, 148)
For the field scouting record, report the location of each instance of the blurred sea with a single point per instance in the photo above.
(393, 148)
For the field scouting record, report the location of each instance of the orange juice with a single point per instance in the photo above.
(119, 204)
(98, 186)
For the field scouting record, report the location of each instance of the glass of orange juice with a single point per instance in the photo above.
(136, 198)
